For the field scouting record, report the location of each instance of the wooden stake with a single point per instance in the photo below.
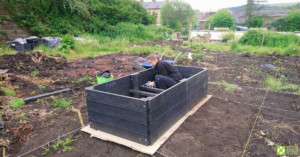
(190, 30)
(263, 39)
(3, 151)
(208, 37)
(79, 116)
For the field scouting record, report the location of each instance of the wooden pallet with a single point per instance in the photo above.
(139, 147)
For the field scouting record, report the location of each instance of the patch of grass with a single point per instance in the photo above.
(41, 86)
(217, 47)
(61, 103)
(278, 84)
(6, 50)
(238, 48)
(34, 73)
(86, 78)
(228, 87)
(8, 91)
(17, 102)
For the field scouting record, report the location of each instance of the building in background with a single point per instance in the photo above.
(201, 18)
(154, 7)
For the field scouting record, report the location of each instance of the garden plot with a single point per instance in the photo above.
(221, 127)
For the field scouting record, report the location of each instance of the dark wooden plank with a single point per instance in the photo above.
(34, 98)
(117, 100)
(174, 117)
(142, 93)
(139, 138)
(166, 116)
(118, 122)
(115, 84)
(172, 101)
(117, 112)
(196, 96)
(155, 90)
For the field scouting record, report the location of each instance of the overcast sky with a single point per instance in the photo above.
(207, 5)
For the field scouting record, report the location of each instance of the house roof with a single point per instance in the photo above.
(240, 16)
(153, 5)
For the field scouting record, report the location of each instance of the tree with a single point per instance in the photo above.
(256, 22)
(55, 17)
(293, 19)
(291, 22)
(176, 14)
(223, 18)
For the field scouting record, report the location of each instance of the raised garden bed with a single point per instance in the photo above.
(124, 107)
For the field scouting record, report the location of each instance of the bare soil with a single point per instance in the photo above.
(220, 128)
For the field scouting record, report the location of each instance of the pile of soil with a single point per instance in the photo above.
(24, 63)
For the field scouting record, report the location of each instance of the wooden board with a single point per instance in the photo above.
(139, 147)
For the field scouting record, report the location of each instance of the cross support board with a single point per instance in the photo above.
(139, 147)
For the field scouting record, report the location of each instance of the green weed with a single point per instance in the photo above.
(47, 151)
(228, 87)
(61, 103)
(8, 91)
(64, 144)
(17, 102)
(6, 50)
(41, 86)
(34, 73)
(199, 61)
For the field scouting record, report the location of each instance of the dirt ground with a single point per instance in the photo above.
(220, 128)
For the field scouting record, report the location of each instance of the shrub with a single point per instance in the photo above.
(223, 18)
(52, 18)
(291, 22)
(67, 43)
(271, 39)
(280, 24)
(255, 22)
(293, 18)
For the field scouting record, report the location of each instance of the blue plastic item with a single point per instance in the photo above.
(147, 65)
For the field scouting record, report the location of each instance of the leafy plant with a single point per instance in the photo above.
(65, 144)
(256, 22)
(61, 103)
(34, 73)
(67, 148)
(47, 151)
(67, 43)
(57, 145)
(41, 86)
(17, 102)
